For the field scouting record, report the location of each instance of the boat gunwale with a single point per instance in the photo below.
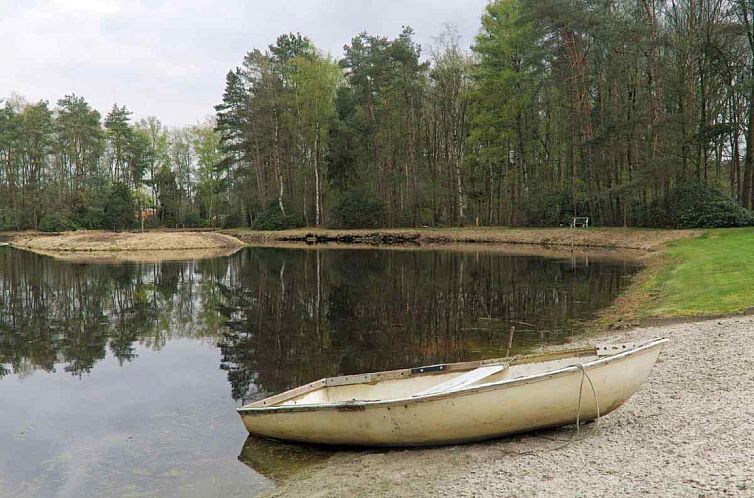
(413, 372)
(359, 405)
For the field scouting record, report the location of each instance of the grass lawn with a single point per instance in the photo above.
(708, 275)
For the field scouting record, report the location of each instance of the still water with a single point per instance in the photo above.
(123, 379)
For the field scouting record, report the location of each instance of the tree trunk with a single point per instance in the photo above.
(749, 158)
(317, 215)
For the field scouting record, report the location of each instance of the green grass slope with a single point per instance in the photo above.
(709, 275)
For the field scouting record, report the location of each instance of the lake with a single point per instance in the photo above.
(123, 379)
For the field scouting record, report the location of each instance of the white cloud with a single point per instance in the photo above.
(169, 57)
(97, 7)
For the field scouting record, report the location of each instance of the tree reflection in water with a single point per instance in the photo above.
(66, 315)
(284, 317)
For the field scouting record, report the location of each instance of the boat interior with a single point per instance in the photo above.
(426, 381)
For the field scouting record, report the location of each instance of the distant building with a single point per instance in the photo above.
(146, 213)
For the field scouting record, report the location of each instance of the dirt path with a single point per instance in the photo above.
(688, 432)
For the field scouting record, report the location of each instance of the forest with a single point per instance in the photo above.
(634, 113)
(65, 168)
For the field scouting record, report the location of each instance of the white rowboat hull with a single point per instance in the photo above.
(483, 411)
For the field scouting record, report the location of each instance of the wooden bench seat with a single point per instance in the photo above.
(463, 380)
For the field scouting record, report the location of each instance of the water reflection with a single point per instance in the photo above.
(103, 364)
(278, 460)
(57, 315)
(322, 313)
(283, 317)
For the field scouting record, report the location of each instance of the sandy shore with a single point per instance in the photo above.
(611, 238)
(688, 432)
(100, 241)
(95, 240)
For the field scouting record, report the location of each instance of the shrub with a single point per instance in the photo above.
(233, 219)
(272, 218)
(193, 220)
(153, 222)
(119, 208)
(696, 205)
(8, 217)
(87, 206)
(56, 222)
(89, 218)
(359, 209)
(554, 209)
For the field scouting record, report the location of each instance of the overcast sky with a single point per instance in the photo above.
(169, 58)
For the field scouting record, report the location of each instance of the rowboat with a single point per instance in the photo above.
(457, 402)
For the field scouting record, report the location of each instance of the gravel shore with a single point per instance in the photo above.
(102, 242)
(688, 432)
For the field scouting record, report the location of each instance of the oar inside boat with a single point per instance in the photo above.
(456, 402)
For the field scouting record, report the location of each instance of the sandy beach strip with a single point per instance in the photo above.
(102, 241)
(688, 432)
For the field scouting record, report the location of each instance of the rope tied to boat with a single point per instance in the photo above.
(585, 375)
(576, 435)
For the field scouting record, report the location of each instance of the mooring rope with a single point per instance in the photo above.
(576, 435)
(594, 393)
